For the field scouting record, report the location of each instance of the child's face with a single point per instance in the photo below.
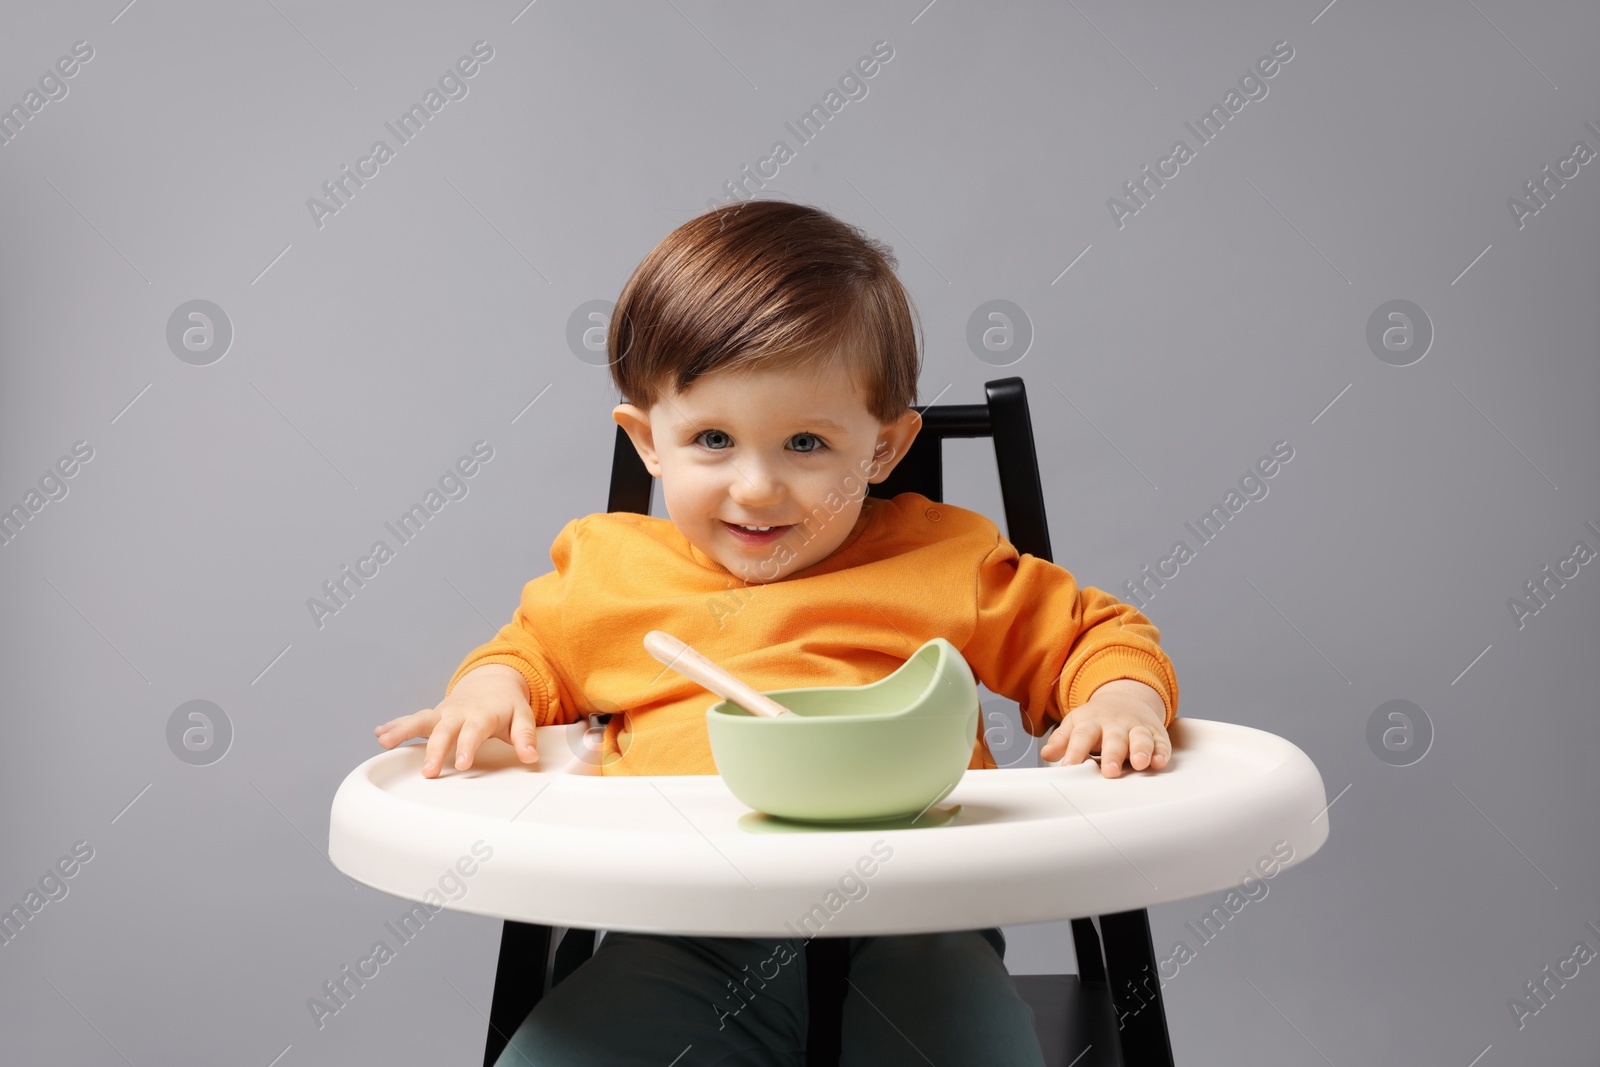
(757, 448)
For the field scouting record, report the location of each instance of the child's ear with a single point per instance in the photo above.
(636, 423)
(894, 441)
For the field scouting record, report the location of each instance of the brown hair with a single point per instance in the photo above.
(769, 284)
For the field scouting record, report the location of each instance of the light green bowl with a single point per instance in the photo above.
(854, 753)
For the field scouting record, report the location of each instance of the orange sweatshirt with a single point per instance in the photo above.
(910, 570)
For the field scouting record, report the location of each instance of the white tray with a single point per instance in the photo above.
(556, 844)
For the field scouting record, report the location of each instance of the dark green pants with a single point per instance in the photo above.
(648, 1000)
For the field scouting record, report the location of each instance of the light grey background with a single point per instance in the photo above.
(1228, 314)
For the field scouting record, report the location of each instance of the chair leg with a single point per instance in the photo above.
(1135, 989)
(575, 947)
(1086, 944)
(827, 961)
(517, 986)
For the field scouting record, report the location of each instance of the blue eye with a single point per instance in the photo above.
(819, 446)
(703, 433)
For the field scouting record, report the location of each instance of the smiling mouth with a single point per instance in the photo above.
(755, 536)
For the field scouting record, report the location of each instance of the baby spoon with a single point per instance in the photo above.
(692, 665)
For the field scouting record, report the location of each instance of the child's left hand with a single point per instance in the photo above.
(1124, 718)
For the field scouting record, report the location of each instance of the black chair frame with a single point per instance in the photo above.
(1117, 989)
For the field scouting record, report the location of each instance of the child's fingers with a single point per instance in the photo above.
(523, 732)
(1163, 752)
(1057, 744)
(1081, 741)
(404, 728)
(439, 742)
(1148, 749)
(1113, 750)
(1141, 747)
(473, 732)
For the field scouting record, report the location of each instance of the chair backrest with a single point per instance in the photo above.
(1004, 418)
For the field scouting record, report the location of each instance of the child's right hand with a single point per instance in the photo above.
(488, 701)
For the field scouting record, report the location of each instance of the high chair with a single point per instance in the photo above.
(557, 851)
(1116, 960)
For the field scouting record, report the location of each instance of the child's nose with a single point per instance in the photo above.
(756, 485)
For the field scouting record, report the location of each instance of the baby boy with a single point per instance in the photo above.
(768, 362)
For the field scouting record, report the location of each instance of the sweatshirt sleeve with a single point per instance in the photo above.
(1047, 643)
(533, 641)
